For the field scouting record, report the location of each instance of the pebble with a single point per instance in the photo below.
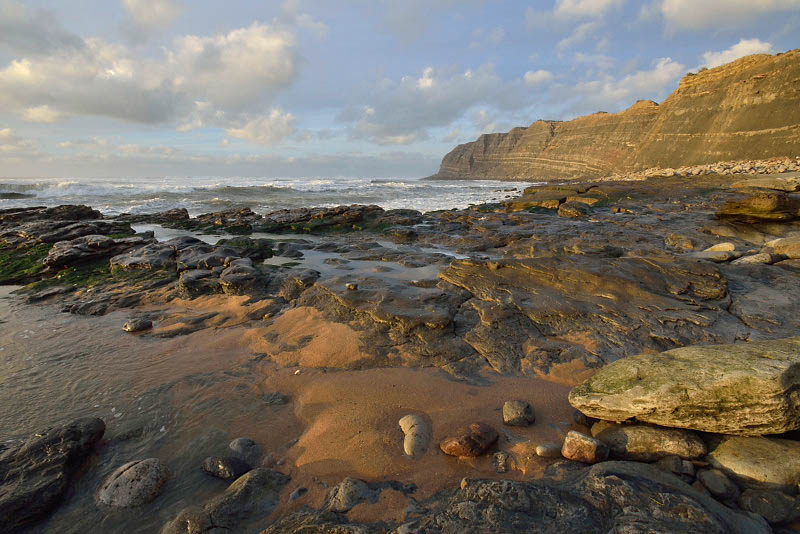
(583, 448)
(548, 450)
(351, 286)
(469, 441)
(229, 468)
(418, 435)
(134, 484)
(137, 325)
(500, 462)
(518, 413)
(721, 247)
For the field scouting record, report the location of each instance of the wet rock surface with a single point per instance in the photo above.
(227, 467)
(34, 476)
(134, 484)
(470, 441)
(644, 443)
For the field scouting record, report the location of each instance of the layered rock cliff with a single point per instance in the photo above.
(747, 109)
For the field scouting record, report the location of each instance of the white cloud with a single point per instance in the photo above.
(708, 14)
(12, 145)
(27, 31)
(538, 77)
(585, 8)
(153, 14)
(578, 35)
(744, 47)
(292, 14)
(267, 129)
(41, 114)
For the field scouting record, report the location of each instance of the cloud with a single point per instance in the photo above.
(153, 15)
(744, 47)
(585, 8)
(292, 14)
(12, 145)
(402, 111)
(578, 35)
(538, 77)
(612, 94)
(481, 37)
(32, 32)
(714, 14)
(267, 129)
(220, 80)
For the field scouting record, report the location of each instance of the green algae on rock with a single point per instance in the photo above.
(746, 389)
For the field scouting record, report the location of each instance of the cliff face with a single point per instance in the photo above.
(748, 109)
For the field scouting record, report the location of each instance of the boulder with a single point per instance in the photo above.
(759, 463)
(35, 474)
(88, 248)
(150, 257)
(644, 443)
(240, 277)
(518, 413)
(762, 206)
(246, 449)
(470, 441)
(228, 467)
(746, 389)
(582, 448)
(775, 506)
(786, 246)
(134, 484)
(718, 484)
(137, 325)
(198, 282)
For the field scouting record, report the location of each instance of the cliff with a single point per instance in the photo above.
(747, 109)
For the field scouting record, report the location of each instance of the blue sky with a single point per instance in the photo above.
(335, 87)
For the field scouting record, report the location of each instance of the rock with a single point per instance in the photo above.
(34, 475)
(644, 443)
(351, 286)
(774, 506)
(573, 209)
(583, 448)
(197, 282)
(418, 435)
(776, 183)
(88, 248)
(548, 450)
(149, 257)
(229, 468)
(721, 247)
(134, 484)
(518, 413)
(240, 277)
(759, 463)
(745, 389)
(719, 485)
(762, 206)
(297, 494)
(786, 246)
(762, 258)
(679, 242)
(500, 462)
(348, 493)
(246, 449)
(683, 469)
(469, 441)
(251, 496)
(138, 325)
(717, 256)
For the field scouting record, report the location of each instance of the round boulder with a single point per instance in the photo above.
(134, 484)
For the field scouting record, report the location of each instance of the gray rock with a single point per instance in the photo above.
(138, 325)
(548, 450)
(35, 474)
(500, 461)
(719, 485)
(197, 282)
(88, 248)
(746, 388)
(134, 484)
(644, 443)
(348, 493)
(518, 413)
(229, 468)
(774, 506)
(246, 449)
(583, 448)
(240, 277)
(759, 463)
(683, 469)
(252, 496)
(762, 258)
(149, 257)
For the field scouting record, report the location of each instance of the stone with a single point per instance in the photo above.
(150, 257)
(418, 435)
(776, 183)
(240, 277)
(758, 462)
(348, 493)
(246, 449)
(786, 246)
(644, 443)
(351, 286)
(88, 248)
(721, 247)
(679, 242)
(762, 258)
(228, 467)
(134, 483)
(469, 441)
(35, 475)
(500, 462)
(683, 469)
(717, 256)
(137, 325)
(548, 450)
(719, 485)
(518, 413)
(253, 495)
(762, 206)
(573, 209)
(776, 507)
(198, 282)
(745, 389)
(583, 448)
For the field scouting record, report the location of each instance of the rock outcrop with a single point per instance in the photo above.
(747, 389)
(748, 109)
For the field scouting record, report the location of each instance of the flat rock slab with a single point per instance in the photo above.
(758, 462)
(745, 389)
(644, 443)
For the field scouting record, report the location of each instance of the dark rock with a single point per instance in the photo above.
(683, 469)
(644, 443)
(518, 413)
(500, 462)
(583, 448)
(573, 209)
(134, 484)
(197, 282)
(348, 493)
(719, 485)
(151, 257)
(88, 248)
(228, 467)
(471, 441)
(240, 277)
(35, 474)
(246, 449)
(776, 507)
(297, 494)
(138, 325)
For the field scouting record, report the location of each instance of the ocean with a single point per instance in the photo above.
(114, 196)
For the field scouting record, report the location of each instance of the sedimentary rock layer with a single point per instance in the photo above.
(748, 109)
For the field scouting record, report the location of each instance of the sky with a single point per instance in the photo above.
(310, 88)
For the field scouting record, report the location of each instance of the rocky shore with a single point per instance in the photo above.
(419, 349)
